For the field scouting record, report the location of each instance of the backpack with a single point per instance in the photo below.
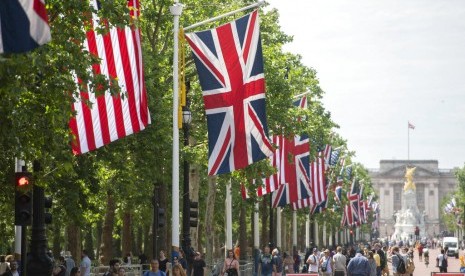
(410, 266)
(400, 265)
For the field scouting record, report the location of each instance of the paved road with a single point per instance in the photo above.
(422, 270)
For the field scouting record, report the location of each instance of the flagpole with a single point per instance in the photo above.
(301, 94)
(176, 11)
(408, 143)
(258, 4)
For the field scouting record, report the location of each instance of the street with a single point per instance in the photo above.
(422, 270)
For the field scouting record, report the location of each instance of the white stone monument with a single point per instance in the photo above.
(409, 217)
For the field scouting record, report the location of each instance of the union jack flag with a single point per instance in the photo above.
(23, 25)
(229, 62)
(354, 201)
(294, 172)
(318, 187)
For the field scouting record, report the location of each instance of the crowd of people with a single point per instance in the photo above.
(375, 259)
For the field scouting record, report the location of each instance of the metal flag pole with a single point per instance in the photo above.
(301, 94)
(176, 11)
(258, 4)
(408, 143)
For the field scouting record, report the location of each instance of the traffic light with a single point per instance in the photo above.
(23, 198)
(161, 217)
(194, 214)
(48, 202)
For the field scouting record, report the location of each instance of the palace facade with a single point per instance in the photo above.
(432, 184)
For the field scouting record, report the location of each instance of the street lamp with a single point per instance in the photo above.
(186, 242)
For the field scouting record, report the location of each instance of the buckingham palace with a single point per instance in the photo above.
(432, 184)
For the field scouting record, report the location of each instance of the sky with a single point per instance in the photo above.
(382, 64)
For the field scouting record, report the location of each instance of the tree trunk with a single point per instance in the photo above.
(127, 237)
(209, 214)
(56, 239)
(88, 242)
(74, 241)
(148, 241)
(164, 243)
(98, 239)
(243, 232)
(264, 219)
(194, 183)
(107, 230)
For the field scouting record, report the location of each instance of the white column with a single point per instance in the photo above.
(317, 234)
(228, 215)
(336, 242)
(294, 229)
(176, 11)
(278, 227)
(324, 235)
(307, 232)
(330, 242)
(256, 239)
(357, 233)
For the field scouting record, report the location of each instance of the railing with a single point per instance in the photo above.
(131, 270)
(245, 267)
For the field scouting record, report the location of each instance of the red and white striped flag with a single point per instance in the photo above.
(111, 117)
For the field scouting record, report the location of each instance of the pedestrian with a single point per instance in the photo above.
(3, 264)
(69, 262)
(326, 264)
(60, 268)
(358, 265)
(85, 263)
(154, 269)
(313, 261)
(372, 262)
(420, 252)
(231, 265)
(441, 261)
(178, 270)
(182, 260)
(75, 271)
(12, 270)
(297, 261)
(395, 258)
(121, 271)
(163, 261)
(426, 256)
(198, 266)
(339, 260)
(277, 262)
(265, 265)
(288, 263)
(113, 269)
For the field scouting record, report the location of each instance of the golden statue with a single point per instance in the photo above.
(409, 184)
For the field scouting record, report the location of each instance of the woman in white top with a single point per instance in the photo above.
(326, 264)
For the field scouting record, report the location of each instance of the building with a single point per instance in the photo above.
(432, 184)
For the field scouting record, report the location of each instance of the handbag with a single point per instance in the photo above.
(325, 267)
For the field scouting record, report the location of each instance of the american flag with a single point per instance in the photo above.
(111, 117)
(327, 154)
(338, 193)
(230, 66)
(23, 25)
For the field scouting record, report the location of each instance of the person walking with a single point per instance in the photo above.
(340, 262)
(231, 265)
(75, 271)
(372, 262)
(313, 261)
(113, 269)
(359, 265)
(85, 263)
(326, 264)
(198, 266)
(265, 265)
(441, 261)
(154, 269)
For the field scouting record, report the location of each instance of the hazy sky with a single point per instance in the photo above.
(383, 63)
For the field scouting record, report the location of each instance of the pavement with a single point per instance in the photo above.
(422, 270)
